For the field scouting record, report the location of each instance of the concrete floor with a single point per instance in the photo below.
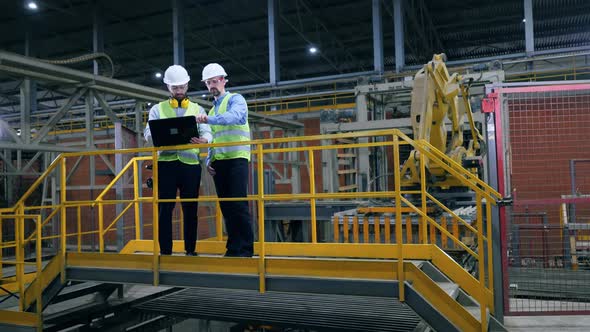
(547, 323)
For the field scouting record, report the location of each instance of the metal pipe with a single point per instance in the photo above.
(37, 68)
(561, 56)
(303, 95)
(298, 83)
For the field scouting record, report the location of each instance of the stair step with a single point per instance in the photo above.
(474, 311)
(346, 155)
(434, 273)
(347, 171)
(449, 288)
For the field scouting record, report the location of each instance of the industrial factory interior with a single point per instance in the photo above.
(294, 165)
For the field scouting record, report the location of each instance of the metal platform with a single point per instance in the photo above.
(324, 312)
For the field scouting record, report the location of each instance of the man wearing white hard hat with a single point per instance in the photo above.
(229, 164)
(178, 170)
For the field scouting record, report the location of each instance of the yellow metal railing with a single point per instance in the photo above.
(572, 72)
(286, 105)
(480, 289)
(274, 106)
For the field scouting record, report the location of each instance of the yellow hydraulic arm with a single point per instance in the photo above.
(436, 97)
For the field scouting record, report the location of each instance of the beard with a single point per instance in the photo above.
(215, 92)
(179, 96)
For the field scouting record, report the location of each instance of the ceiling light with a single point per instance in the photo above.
(32, 5)
(313, 50)
(524, 20)
(158, 75)
(204, 95)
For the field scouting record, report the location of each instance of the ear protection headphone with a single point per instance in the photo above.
(183, 103)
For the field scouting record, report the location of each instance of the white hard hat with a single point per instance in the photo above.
(176, 75)
(213, 70)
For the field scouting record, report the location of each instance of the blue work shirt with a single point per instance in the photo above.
(236, 114)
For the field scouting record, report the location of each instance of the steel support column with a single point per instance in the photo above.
(398, 27)
(89, 118)
(119, 185)
(496, 234)
(295, 168)
(364, 170)
(97, 33)
(139, 124)
(377, 37)
(28, 105)
(529, 35)
(178, 31)
(273, 42)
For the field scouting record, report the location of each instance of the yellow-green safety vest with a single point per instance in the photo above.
(231, 133)
(188, 156)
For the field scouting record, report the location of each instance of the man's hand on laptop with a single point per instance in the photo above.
(201, 118)
(198, 140)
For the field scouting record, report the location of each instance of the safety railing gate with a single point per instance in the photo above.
(545, 166)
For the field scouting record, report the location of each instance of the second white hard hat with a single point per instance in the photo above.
(176, 75)
(213, 70)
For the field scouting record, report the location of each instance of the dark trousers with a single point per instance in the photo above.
(173, 176)
(231, 180)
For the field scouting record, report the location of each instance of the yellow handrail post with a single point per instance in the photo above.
(218, 221)
(398, 219)
(19, 239)
(100, 226)
(387, 229)
(423, 223)
(345, 229)
(181, 220)
(377, 229)
(335, 221)
(481, 264)
(39, 276)
(62, 236)
(312, 191)
(79, 223)
(432, 230)
(261, 242)
(355, 229)
(155, 218)
(136, 198)
(365, 229)
(490, 253)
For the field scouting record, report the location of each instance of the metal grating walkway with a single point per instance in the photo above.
(318, 311)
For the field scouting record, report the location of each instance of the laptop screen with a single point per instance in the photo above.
(173, 131)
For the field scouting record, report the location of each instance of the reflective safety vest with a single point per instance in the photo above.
(232, 133)
(188, 156)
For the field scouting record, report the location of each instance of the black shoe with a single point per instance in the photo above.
(192, 254)
(231, 254)
(165, 253)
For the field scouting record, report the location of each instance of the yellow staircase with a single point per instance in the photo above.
(347, 167)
